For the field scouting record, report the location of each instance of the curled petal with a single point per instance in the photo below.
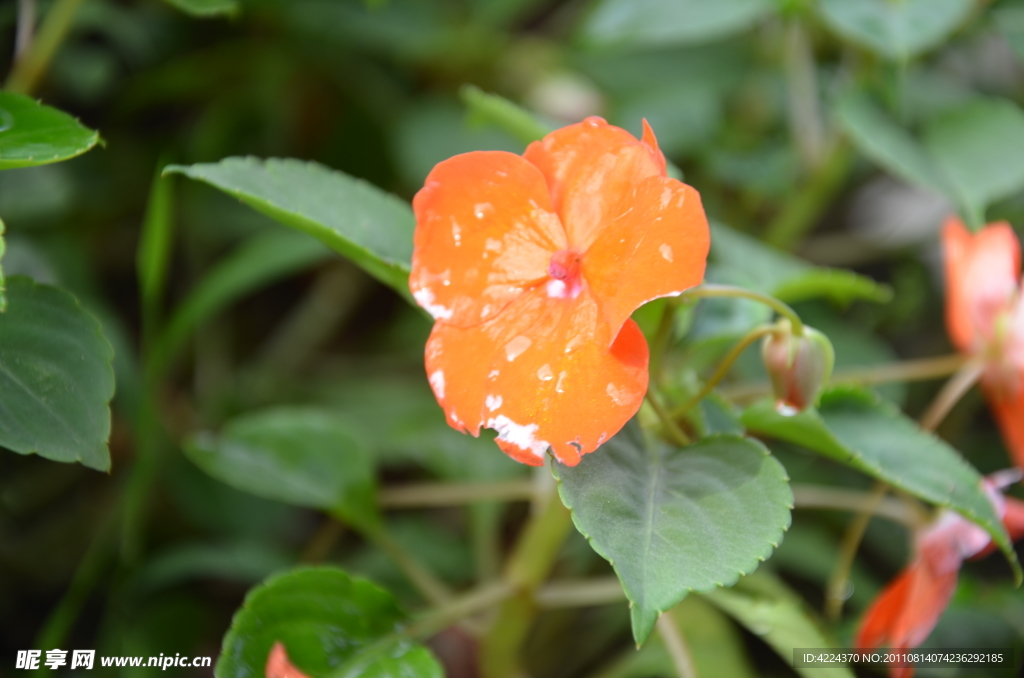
(541, 375)
(590, 168)
(485, 232)
(982, 276)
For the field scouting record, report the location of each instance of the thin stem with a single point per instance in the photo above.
(838, 581)
(580, 593)
(422, 495)
(951, 393)
(805, 125)
(322, 541)
(29, 69)
(667, 421)
(26, 27)
(430, 587)
(840, 499)
(708, 290)
(459, 608)
(723, 367)
(676, 646)
(806, 204)
(662, 338)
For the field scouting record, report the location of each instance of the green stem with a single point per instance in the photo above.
(837, 582)
(29, 69)
(459, 608)
(951, 393)
(581, 593)
(806, 203)
(834, 498)
(530, 563)
(805, 125)
(676, 645)
(429, 586)
(667, 421)
(710, 290)
(662, 339)
(420, 495)
(723, 367)
(502, 113)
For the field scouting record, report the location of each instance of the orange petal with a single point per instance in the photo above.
(652, 141)
(1009, 414)
(982, 274)
(485, 232)
(541, 374)
(656, 247)
(1013, 518)
(279, 666)
(591, 169)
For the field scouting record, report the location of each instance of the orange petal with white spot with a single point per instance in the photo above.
(591, 169)
(657, 246)
(982, 274)
(279, 666)
(485, 232)
(542, 375)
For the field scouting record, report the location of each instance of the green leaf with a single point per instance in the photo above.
(672, 520)
(207, 8)
(56, 379)
(980, 146)
(359, 221)
(300, 456)
(259, 261)
(772, 612)
(898, 30)
(330, 623)
(859, 429)
(154, 254)
(882, 140)
(33, 134)
(787, 277)
(642, 23)
(485, 108)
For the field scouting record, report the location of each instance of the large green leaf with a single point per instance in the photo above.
(859, 429)
(56, 379)
(260, 260)
(331, 624)
(897, 29)
(772, 612)
(33, 134)
(367, 225)
(672, 520)
(206, 8)
(641, 23)
(787, 277)
(300, 456)
(980, 146)
(878, 137)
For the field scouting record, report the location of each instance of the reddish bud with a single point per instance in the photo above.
(799, 365)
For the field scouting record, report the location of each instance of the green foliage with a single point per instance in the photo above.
(3, 247)
(673, 520)
(484, 108)
(155, 244)
(207, 8)
(33, 134)
(359, 221)
(896, 30)
(299, 456)
(857, 428)
(56, 378)
(637, 23)
(331, 624)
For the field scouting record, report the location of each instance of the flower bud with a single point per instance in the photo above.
(798, 365)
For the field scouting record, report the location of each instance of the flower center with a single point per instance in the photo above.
(564, 269)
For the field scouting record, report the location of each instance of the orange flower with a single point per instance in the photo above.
(531, 266)
(985, 316)
(907, 610)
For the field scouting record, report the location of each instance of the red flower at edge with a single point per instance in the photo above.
(531, 266)
(906, 611)
(985, 317)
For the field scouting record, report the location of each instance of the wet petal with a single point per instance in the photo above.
(542, 375)
(590, 167)
(982, 274)
(485, 232)
(656, 245)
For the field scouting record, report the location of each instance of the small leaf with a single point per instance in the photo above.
(789, 278)
(207, 8)
(154, 253)
(642, 23)
(304, 457)
(772, 612)
(980, 146)
(33, 134)
(857, 428)
(671, 520)
(330, 624)
(879, 138)
(56, 379)
(896, 30)
(260, 260)
(359, 221)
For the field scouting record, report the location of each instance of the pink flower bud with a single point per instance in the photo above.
(798, 365)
